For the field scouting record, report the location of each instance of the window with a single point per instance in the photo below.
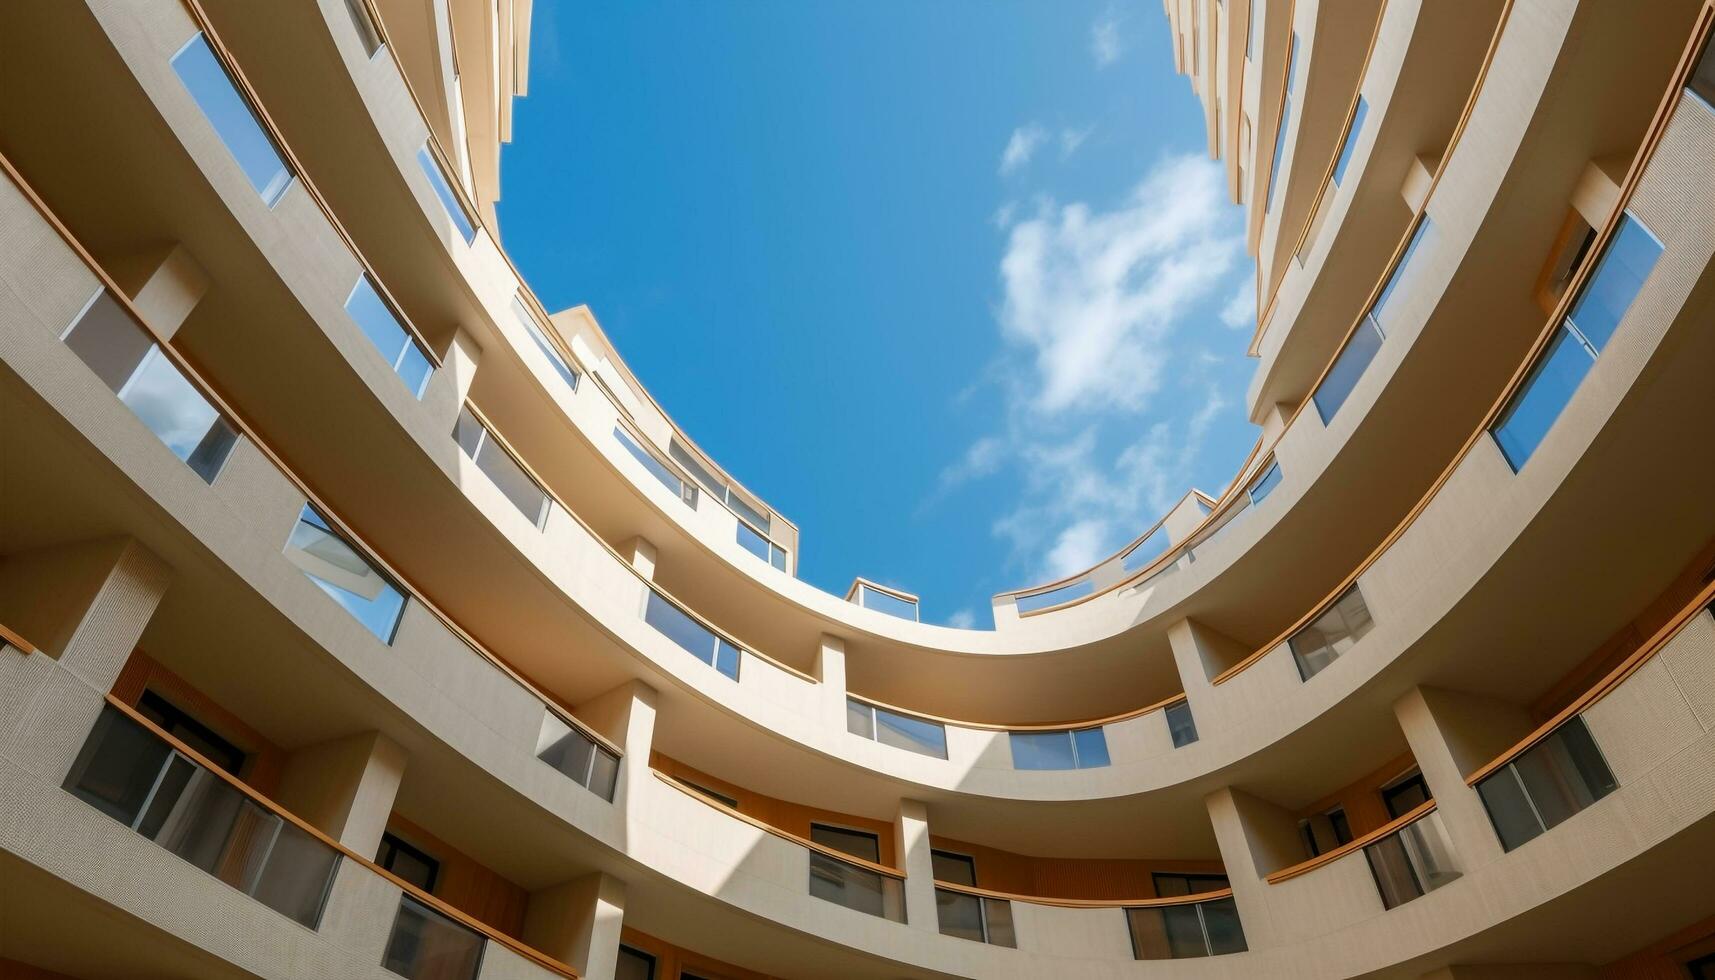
(954, 869)
(567, 373)
(893, 604)
(443, 190)
(1180, 724)
(1285, 122)
(857, 843)
(345, 575)
(132, 775)
(360, 22)
(407, 862)
(1168, 932)
(1549, 782)
(975, 917)
(589, 764)
(1255, 29)
(147, 382)
(859, 888)
(1351, 142)
(193, 733)
(498, 465)
(1607, 295)
(659, 470)
(384, 328)
(1419, 235)
(1331, 634)
(1703, 967)
(754, 516)
(691, 636)
(1337, 828)
(701, 790)
(1086, 748)
(1348, 367)
(1341, 826)
(1405, 795)
(634, 964)
(760, 546)
(1411, 862)
(1172, 885)
(1146, 551)
(1264, 484)
(234, 120)
(892, 728)
(1054, 597)
(426, 945)
(1702, 84)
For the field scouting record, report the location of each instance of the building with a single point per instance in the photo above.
(363, 618)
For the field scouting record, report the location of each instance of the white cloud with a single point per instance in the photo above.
(1105, 43)
(1004, 214)
(1094, 295)
(1021, 147)
(982, 458)
(1240, 310)
(964, 619)
(1071, 139)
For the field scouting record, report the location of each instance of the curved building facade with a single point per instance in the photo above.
(362, 617)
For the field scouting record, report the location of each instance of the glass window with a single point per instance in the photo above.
(1351, 142)
(387, 332)
(1147, 550)
(1083, 749)
(567, 373)
(444, 191)
(1054, 597)
(955, 869)
(656, 468)
(1331, 634)
(1180, 724)
(701, 790)
(1348, 367)
(1702, 83)
(1186, 931)
(691, 636)
(859, 889)
(1615, 283)
(1419, 235)
(408, 862)
(499, 466)
(857, 843)
(345, 575)
(147, 382)
(1264, 484)
(634, 964)
(892, 728)
(589, 765)
(1406, 795)
(886, 602)
(1170, 885)
(426, 945)
(760, 546)
(366, 33)
(1341, 826)
(1538, 402)
(193, 733)
(233, 119)
(1545, 785)
(1285, 122)
(860, 718)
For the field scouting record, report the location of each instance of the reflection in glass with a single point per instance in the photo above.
(691, 636)
(387, 332)
(1331, 634)
(860, 889)
(1351, 142)
(898, 730)
(1260, 488)
(345, 575)
(1085, 748)
(426, 945)
(129, 361)
(498, 465)
(886, 602)
(589, 764)
(1548, 783)
(1166, 932)
(1348, 367)
(1180, 724)
(567, 373)
(444, 191)
(656, 468)
(233, 119)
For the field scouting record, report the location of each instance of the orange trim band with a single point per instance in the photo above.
(1388, 829)
(15, 641)
(1087, 903)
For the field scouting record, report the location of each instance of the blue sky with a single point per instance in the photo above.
(951, 285)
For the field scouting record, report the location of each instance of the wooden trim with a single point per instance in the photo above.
(804, 842)
(1604, 687)
(15, 641)
(229, 64)
(541, 959)
(1326, 857)
(245, 428)
(1646, 150)
(993, 727)
(1087, 903)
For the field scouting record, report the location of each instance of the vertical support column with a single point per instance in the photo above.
(1452, 733)
(165, 284)
(578, 923)
(831, 672)
(1200, 654)
(911, 843)
(625, 716)
(345, 787)
(1256, 838)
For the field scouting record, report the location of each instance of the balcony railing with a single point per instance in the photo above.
(141, 775)
(1206, 924)
(970, 913)
(1408, 857)
(1538, 789)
